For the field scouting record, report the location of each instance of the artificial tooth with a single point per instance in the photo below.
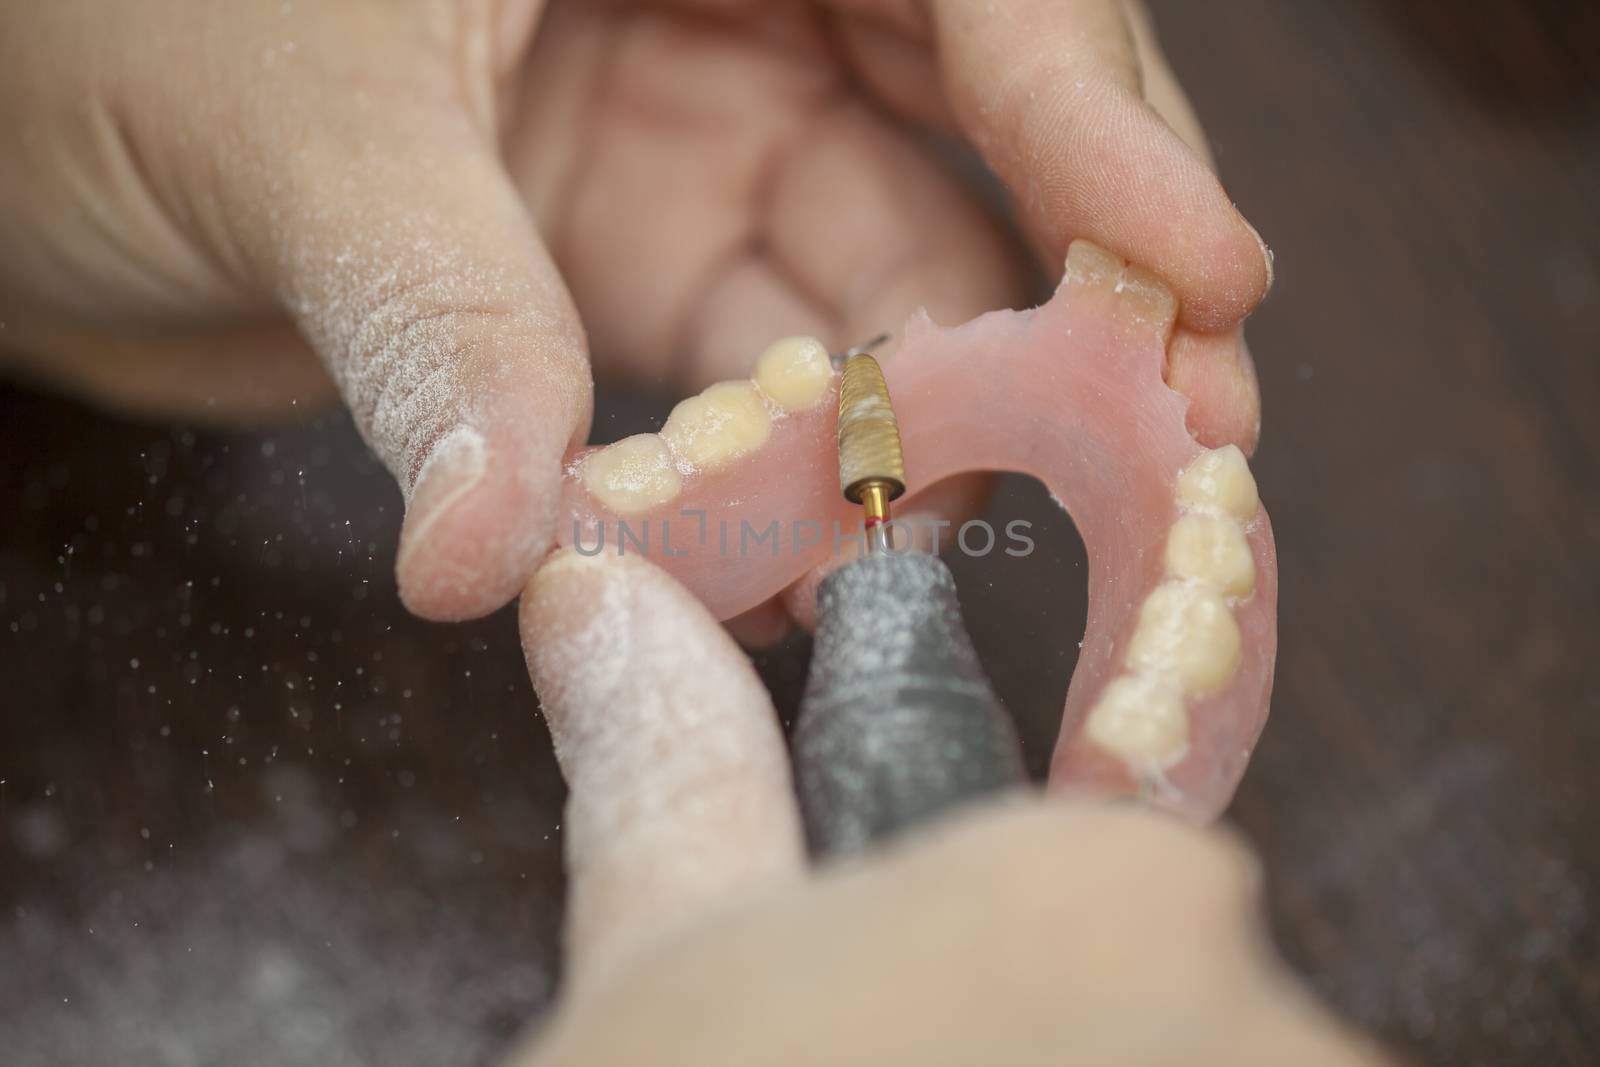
(1147, 300)
(1089, 264)
(795, 373)
(1220, 480)
(1186, 632)
(1140, 719)
(1211, 549)
(631, 475)
(724, 422)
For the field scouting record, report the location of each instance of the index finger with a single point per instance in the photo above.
(1048, 91)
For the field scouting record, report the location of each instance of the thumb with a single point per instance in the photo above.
(410, 263)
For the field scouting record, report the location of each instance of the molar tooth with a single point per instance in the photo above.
(724, 422)
(795, 373)
(1148, 301)
(1212, 550)
(1186, 632)
(632, 475)
(1089, 264)
(1140, 719)
(1220, 480)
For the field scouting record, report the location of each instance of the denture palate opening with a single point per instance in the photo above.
(738, 495)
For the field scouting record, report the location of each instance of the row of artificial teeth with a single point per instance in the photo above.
(707, 432)
(1186, 643)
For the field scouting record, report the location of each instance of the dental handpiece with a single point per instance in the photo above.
(898, 723)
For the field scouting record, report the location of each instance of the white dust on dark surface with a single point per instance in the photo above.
(252, 811)
(271, 948)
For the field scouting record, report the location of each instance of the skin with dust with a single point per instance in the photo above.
(679, 782)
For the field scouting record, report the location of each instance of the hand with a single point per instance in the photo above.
(1030, 932)
(428, 193)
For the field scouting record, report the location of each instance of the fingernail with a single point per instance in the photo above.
(567, 575)
(1252, 394)
(562, 562)
(1266, 256)
(456, 464)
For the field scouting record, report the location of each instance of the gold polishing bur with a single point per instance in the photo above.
(872, 470)
(898, 725)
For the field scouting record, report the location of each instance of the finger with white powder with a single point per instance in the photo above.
(680, 796)
(402, 250)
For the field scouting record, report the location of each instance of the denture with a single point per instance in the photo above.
(738, 497)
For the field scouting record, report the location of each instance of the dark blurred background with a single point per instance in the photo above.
(249, 808)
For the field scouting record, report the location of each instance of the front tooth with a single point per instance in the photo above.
(795, 373)
(1212, 550)
(632, 475)
(1147, 300)
(1089, 264)
(1141, 719)
(1220, 480)
(1186, 632)
(724, 422)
